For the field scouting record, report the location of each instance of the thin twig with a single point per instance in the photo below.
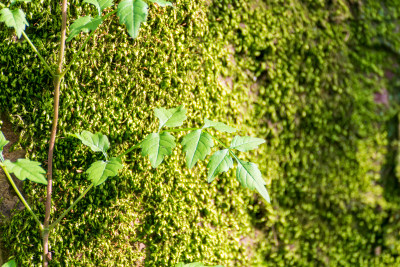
(57, 82)
(54, 224)
(37, 53)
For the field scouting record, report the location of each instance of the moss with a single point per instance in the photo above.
(301, 74)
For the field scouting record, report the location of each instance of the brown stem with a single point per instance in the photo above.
(57, 83)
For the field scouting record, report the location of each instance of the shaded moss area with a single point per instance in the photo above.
(317, 79)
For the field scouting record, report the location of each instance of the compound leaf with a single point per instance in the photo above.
(10, 263)
(249, 176)
(132, 13)
(99, 171)
(246, 143)
(27, 169)
(172, 117)
(156, 146)
(100, 4)
(197, 145)
(84, 24)
(98, 142)
(222, 127)
(219, 162)
(15, 19)
(162, 3)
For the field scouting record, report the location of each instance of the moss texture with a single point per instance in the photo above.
(316, 79)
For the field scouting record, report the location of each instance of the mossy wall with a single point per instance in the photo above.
(304, 75)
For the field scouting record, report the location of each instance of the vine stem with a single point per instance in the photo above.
(57, 82)
(225, 146)
(129, 150)
(37, 53)
(20, 195)
(54, 224)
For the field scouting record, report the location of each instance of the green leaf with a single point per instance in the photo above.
(13, 2)
(220, 161)
(99, 171)
(10, 263)
(100, 4)
(246, 143)
(132, 13)
(162, 3)
(15, 19)
(27, 169)
(3, 142)
(197, 145)
(156, 146)
(222, 127)
(170, 117)
(249, 176)
(84, 24)
(97, 142)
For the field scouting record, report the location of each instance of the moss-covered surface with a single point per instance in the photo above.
(317, 79)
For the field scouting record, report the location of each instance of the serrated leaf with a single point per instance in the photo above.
(197, 145)
(162, 3)
(220, 161)
(249, 176)
(222, 127)
(100, 4)
(132, 13)
(99, 171)
(27, 169)
(10, 263)
(98, 142)
(172, 117)
(246, 143)
(83, 24)
(157, 146)
(16, 1)
(15, 19)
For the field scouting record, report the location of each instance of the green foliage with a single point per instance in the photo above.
(300, 74)
(157, 146)
(170, 117)
(249, 176)
(84, 24)
(3, 143)
(132, 13)
(246, 143)
(197, 145)
(27, 169)
(10, 263)
(99, 171)
(96, 142)
(100, 4)
(219, 162)
(14, 18)
(222, 127)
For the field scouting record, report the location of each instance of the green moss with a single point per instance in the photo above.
(301, 74)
